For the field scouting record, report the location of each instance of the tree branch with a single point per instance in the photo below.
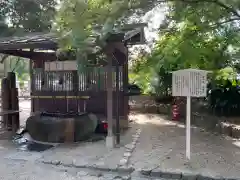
(228, 8)
(226, 21)
(217, 2)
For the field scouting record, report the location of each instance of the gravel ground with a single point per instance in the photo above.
(161, 147)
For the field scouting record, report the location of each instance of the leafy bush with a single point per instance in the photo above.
(225, 101)
(142, 80)
(224, 97)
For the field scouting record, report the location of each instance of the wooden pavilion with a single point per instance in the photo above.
(50, 94)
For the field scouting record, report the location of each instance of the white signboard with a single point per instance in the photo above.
(189, 83)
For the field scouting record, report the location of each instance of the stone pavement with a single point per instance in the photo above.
(160, 151)
(95, 155)
(21, 170)
(22, 165)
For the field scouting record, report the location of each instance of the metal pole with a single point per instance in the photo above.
(117, 106)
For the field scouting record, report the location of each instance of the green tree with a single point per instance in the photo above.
(194, 34)
(99, 18)
(17, 16)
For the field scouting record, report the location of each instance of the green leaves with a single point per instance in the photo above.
(85, 26)
(196, 35)
(32, 16)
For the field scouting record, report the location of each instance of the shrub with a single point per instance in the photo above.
(225, 101)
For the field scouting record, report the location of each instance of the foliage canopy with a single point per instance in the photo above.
(197, 34)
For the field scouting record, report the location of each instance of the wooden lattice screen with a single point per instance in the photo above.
(88, 81)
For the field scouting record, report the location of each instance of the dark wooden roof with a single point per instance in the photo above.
(29, 41)
(19, 46)
(46, 41)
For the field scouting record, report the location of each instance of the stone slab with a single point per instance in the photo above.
(24, 156)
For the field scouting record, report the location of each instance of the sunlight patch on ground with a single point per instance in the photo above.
(181, 125)
(152, 119)
(155, 119)
(237, 143)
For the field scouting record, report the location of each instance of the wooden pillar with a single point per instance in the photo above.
(117, 105)
(113, 45)
(12, 80)
(76, 90)
(110, 139)
(5, 88)
(121, 53)
(125, 89)
(110, 96)
(14, 121)
(31, 84)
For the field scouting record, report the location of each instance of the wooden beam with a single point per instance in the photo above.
(30, 45)
(30, 54)
(133, 26)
